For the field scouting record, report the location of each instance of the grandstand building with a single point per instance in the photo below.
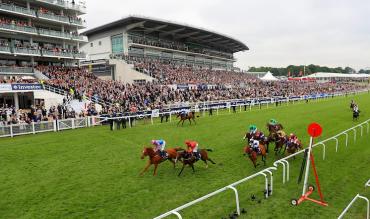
(37, 32)
(140, 37)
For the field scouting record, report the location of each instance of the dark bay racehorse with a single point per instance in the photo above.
(274, 137)
(189, 159)
(253, 154)
(155, 159)
(291, 148)
(265, 142)
(356, 114)
(188, 116)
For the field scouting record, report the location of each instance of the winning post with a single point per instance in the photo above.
(314, 130)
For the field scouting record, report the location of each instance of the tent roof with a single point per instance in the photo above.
(269, 77)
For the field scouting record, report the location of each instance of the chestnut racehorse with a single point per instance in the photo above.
(189, 159)
(265, 141)
(156, 159)
(189, 116)
(292, 147)
(253, 154)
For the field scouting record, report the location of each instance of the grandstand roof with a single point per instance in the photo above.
(176, 31)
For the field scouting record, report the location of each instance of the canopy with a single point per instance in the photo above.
(269, 77)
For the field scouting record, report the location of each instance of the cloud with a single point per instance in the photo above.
(278, 33)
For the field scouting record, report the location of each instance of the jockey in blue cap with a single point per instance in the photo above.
(159, 147)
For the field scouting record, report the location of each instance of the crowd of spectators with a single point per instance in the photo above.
(10, 116)
(176, 45)
(225, 85)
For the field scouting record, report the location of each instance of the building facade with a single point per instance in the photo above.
(151, 38)
(37, 32)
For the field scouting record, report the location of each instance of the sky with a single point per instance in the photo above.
(278, 32)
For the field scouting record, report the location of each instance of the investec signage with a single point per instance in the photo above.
(20, 87)
(26, 87)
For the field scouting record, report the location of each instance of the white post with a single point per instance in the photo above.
(33, 128)
(151, 118)
(55, 125)
(11, 130)
(73, 124)
(307, 167)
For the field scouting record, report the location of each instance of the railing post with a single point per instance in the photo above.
(33, 128)
(177, 214)
(55, 125)
(282, 163)
(355, 133)
(236, 199)
(11, 130)
(73, 124)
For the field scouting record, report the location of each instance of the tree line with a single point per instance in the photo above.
(300, 70)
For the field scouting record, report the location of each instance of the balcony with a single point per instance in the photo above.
(5, 49)
(54, 33)
(52, 17)
(21, 29)
(16, 9)
(26, 51)
(16, 70)
(76, 22)
(57, 54)
(80, 38)
(65, 4)
(79, 55)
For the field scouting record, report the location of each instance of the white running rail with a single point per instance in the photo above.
(284, 163)
(358, 196)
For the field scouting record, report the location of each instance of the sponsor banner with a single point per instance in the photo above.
(182, 86)
(5, 87)
(16, 87)
(155, 113)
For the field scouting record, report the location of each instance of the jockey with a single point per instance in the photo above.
(184, 112)
(293, 139)
(159, 146)
(193, 148)
(255, 145)
(281, 134)
(252, 129)
(355, 108)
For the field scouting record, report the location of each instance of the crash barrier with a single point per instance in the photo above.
(268, 173)
(65, 124)
(358, 196)
(47, 126)
(202, 107)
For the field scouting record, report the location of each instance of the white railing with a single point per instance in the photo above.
(23, 129)
(286, 167)
(358, 196)
(48, 126)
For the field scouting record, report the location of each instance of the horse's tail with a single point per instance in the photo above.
(209, 150)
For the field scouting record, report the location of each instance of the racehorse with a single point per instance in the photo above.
(356, 114)
(155, 159)
(189, 159)
(253, 154)
(264, 141)
(291, 148)
(274, 137)
(188, 116)
(279, 142)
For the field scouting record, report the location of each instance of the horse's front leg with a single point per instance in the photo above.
(189, 121)
(174, 163)
(192, 167)
(146, 168)
(194, 121)
(182, 169)
(155, 169)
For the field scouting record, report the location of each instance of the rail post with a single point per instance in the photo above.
(282, 163)
(355, 133)
(353, 201)
(236, 198)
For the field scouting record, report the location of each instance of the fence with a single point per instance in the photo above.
(358, 196)
(268, 172)
(49, 126)
(59, 125)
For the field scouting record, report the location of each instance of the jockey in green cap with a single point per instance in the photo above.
(273, 122)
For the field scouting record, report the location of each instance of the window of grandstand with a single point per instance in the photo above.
(91, 44)
(117, 44)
